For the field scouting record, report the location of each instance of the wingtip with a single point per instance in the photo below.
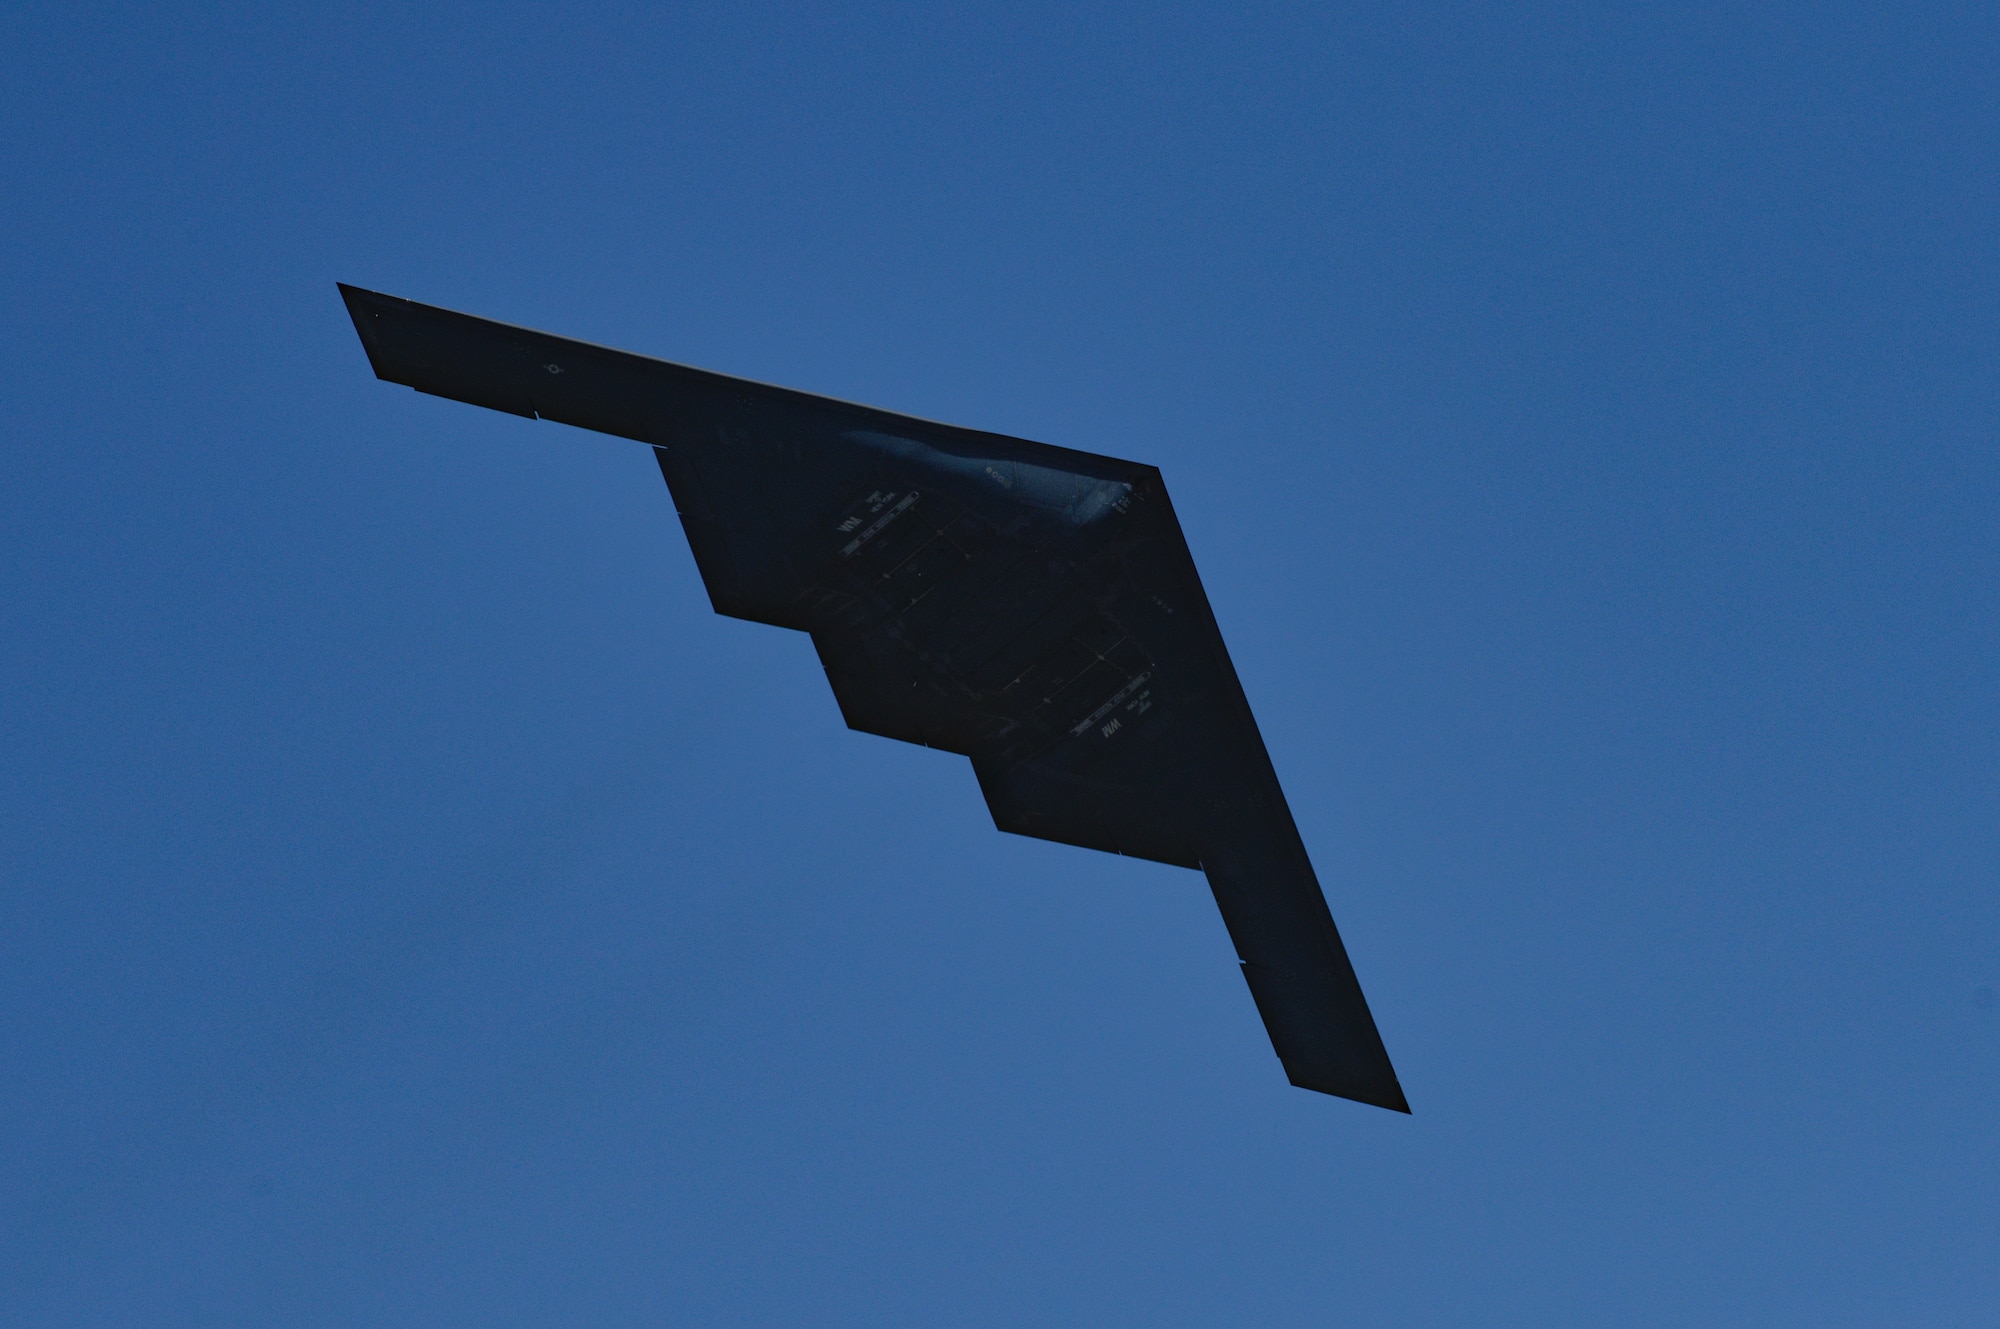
(354, 296)
(1388, 1096)
(355, 299)
(1392, 1101)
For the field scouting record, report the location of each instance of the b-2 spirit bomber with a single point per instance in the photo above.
(1033, 608)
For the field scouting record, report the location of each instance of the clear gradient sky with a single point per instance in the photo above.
(416, 908)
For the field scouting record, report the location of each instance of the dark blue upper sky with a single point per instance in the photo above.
(416, 908)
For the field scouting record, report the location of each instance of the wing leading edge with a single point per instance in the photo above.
(1029, 606)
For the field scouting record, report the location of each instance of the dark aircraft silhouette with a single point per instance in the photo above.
(1033, 608)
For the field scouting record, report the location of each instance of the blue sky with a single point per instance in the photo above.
(416, 908)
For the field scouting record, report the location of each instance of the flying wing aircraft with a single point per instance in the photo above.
(1033, 608)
